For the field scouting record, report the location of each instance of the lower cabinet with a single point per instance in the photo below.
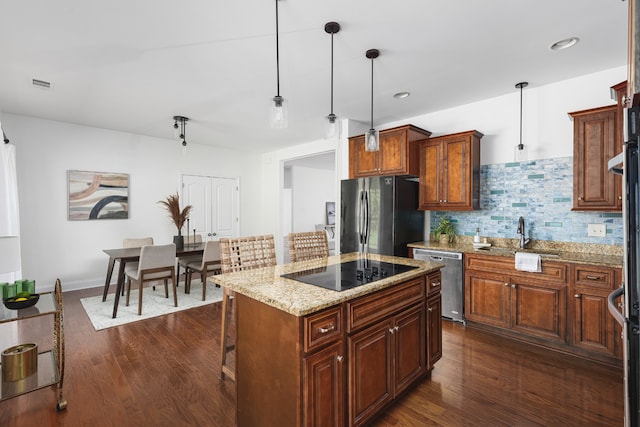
(384, 359)
(324, 385)
(563, 307)
(434, 329)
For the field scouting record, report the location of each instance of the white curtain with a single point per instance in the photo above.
(9, 210)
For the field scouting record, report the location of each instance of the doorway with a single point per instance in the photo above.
(215, 206)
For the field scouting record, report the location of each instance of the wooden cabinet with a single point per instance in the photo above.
(593, 328)
(324, 387)
(450, 172)
(398, 154)
(596, 140)
(384, 359)
(530, 304)
(434, 329)
(563, 307)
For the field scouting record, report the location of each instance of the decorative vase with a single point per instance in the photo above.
(179, 241)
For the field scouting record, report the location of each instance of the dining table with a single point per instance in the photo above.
(126, 255)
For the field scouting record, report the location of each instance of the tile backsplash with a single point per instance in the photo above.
(540, 191)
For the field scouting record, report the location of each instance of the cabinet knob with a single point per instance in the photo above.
(579, 197)
(396, 328)
(391, 330)
(506, 284)
(513, 286)
(435, 284)
(340, 358)
(430, 309)
(619, 197)
(576, 296)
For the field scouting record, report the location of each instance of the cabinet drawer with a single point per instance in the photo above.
(434, 283)
(371, 308)
(556, 271)
(322, 328)
(593, 276)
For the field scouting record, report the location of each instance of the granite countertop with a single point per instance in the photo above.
(577, 253)
(297, 298)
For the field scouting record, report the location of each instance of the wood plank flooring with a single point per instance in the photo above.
(164, 372)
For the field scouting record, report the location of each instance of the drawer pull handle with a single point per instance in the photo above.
(325, 330)
(594, 277)
(576, 296)
(435, 284)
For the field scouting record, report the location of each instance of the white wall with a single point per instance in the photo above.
(547, 129)
(312, 188)
(53, 247)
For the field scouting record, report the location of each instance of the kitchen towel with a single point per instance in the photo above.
(528, 262)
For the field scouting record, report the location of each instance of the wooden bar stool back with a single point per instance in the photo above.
(308, 245)
(240, 254)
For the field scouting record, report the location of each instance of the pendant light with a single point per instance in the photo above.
(332, 127)
(521, 150)
(371, 138)
(180, 127)
(278, 113)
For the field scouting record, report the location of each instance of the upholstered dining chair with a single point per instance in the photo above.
(308, 245)
(183, 260)
(240, 254)
(156, 263)
(135, 242)
(207, 263)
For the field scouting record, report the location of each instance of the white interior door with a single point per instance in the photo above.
(214, 201)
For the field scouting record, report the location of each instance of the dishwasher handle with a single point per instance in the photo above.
(436, 255)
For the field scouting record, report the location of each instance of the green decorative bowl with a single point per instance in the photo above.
(12, 304)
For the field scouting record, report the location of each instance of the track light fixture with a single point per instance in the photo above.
(371, 142)
(180, 125)
(332, 127)
(278, 113)
(521, 150)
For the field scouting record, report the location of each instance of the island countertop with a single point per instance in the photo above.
(300, 299)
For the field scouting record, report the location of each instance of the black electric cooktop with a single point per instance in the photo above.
(348, 275)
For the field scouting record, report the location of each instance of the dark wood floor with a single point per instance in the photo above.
(164, 372)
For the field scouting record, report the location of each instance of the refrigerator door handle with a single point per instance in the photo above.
(611, 305)
(366, 217)
(361, 217)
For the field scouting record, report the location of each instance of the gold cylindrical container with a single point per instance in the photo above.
(19, 361)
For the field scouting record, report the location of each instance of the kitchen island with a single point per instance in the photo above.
(309, 356)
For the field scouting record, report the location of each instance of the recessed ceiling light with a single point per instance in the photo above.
(564, 44)
(401, 95)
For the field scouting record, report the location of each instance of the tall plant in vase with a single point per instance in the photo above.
(172, 204)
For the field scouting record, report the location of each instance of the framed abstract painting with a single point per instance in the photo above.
(97, 195)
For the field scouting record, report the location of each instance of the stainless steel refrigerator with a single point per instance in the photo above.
(630, 289)
(380, 215)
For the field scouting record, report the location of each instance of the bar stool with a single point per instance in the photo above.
(240, 254)
(308, 245)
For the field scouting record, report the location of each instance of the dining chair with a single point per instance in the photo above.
(188, 240)
(207, 263)
(308, 245)
(240, 254)
(135, 242)
(156, 263)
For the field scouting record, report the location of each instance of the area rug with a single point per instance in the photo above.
(154, 304)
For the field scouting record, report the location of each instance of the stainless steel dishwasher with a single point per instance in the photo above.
(452, 280)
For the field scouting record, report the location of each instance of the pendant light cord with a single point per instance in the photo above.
(520, 146)
(331, 73)
(372, 93)
(277, 53)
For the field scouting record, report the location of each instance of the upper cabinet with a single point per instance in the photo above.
(596, 139)
(450, 172)
(398, 154)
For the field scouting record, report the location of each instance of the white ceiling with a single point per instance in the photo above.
(132, 65)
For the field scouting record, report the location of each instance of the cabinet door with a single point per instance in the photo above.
(324, 391)
(456, 180)
(434, 330)
(409, 343)
(487, 298)
(370, 383)
(361, 162)
(393, 153)
(539, 309)
(430, 175)
(593, 326)
(594, 142)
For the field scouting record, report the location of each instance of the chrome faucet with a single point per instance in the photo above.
(521, 232)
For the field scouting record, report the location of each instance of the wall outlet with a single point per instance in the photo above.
(597, 230)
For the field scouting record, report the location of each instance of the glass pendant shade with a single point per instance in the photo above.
(520, 153)
(278, 113)
(332, 127)
(372, 143)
